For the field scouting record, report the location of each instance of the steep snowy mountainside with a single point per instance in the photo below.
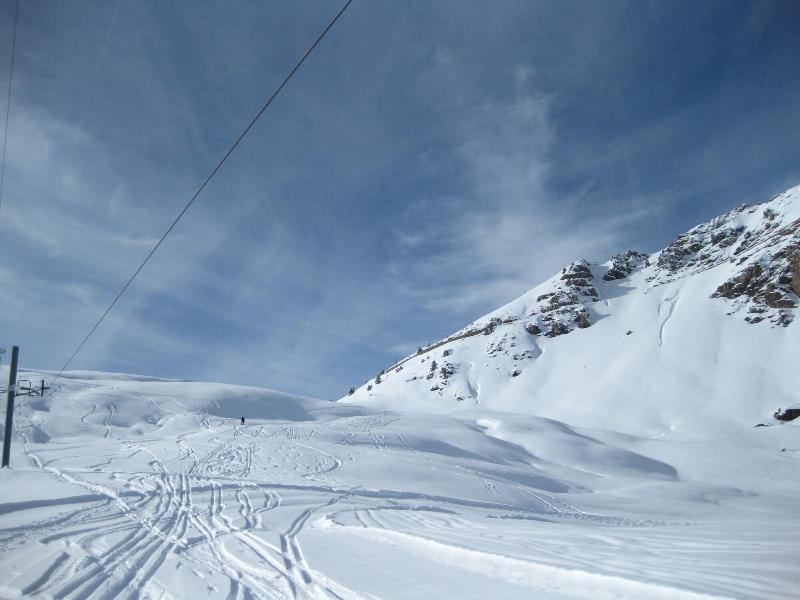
(761, 242)
(700, 330)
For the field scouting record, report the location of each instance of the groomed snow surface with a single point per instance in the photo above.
(134, 487)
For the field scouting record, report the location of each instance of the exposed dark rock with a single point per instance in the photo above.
(556, 329)
(788, 414)
(775, 299)
(491, 326)
(560, 300)
(671, 257)
(743, 246)
(790, 228)
(613, 274)
(726, 237)
(794, 264)
(497, 346)
(748, 280)
(624, 264)
(578, 272)
(447, 370)
(515, 372)
(769, 283)
(582, 320)
(533, 329)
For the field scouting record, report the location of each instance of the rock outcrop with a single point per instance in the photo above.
(624, 264)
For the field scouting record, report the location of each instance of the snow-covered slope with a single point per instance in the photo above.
(699, 332)
(592, 439)
(132, 487)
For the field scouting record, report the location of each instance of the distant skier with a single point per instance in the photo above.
(242, 420)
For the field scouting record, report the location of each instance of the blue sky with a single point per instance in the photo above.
(430, 162)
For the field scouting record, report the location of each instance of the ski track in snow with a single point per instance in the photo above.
(672, 304)
(281, 509)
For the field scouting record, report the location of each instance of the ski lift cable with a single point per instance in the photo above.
(203, 185)
(8, 102)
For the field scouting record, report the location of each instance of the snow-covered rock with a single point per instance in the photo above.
(701, 329)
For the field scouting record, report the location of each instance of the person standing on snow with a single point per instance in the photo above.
(242, 420)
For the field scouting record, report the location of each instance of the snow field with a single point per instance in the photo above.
(134, 488)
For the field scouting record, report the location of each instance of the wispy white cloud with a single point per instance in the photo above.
(505, 230)
(410, 178)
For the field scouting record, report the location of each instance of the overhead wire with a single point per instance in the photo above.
(204, 184)
(8, 103)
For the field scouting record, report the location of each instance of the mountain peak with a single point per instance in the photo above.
(599, 343)
(757, 251)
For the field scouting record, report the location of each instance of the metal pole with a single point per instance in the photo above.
(12, 392)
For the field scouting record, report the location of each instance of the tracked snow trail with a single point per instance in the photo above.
(167, 516)
(672, 304)
(346, 503)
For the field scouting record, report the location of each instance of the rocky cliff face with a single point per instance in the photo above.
(762, 242)
(703, 296)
